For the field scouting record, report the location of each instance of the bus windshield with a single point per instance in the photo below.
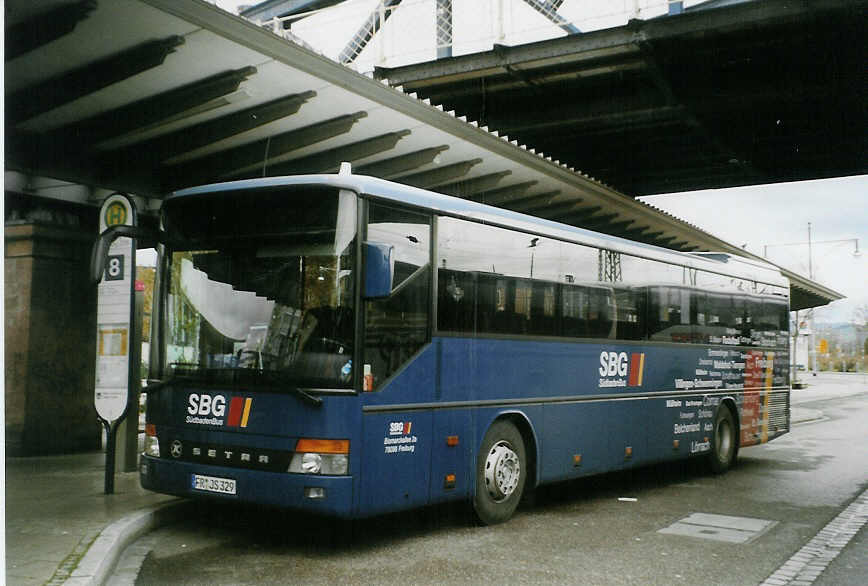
(272, 308)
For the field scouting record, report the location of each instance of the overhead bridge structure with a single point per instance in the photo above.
(727, 93)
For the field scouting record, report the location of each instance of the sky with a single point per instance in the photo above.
(770, 219)
(774, 219)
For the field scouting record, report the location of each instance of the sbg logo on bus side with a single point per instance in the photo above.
(210, 409)
(616, 366)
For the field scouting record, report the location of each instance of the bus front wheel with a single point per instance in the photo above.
(724, 443)
(501, 470)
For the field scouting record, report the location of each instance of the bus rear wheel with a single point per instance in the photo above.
(725, 441)
(501, 470)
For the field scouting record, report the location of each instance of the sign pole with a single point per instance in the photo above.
(110, 434)
(115, 327)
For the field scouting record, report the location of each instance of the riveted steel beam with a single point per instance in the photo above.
(372, 25)
(549, 9)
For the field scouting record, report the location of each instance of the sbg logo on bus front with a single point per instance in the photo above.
(209, 410)
(616, 366)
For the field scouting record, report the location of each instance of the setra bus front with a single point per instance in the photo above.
(254, 394)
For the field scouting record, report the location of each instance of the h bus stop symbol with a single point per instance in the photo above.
(115, 214)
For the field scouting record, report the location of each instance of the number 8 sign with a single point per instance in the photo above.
(114, 267)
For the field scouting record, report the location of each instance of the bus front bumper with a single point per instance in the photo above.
(326, 495)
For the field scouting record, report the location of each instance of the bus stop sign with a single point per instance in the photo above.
(114, 313)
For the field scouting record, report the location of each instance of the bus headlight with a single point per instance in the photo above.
(152, 444)
(312, 456)
(311, 463)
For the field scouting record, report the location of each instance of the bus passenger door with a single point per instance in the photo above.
(395, 467)
(398, 365)
(397, 442)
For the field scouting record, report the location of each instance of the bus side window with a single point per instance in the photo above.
(699, 317)
(630, 313)
(490, 304)
(456, 291)
(659, 316)
(574, 311)
(542, 310)
(671, 314)
(397, 327)
(601, 313)
(783, 313)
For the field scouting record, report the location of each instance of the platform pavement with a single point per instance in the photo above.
(62, 529)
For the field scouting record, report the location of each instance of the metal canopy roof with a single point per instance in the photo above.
(147, 96)
(721, 95)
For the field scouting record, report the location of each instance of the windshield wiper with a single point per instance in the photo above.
(307, 397)
(273, 377)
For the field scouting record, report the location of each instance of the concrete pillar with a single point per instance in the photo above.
(50, 324)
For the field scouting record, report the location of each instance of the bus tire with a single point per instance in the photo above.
(724, 444)
(501, 471)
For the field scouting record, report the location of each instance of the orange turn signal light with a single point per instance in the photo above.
(150, 429)
(323, 446)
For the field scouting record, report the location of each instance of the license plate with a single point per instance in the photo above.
(213, 484)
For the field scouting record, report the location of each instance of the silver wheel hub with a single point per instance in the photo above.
(502, 471)
(723, 437)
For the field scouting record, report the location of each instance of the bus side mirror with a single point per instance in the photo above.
(379, 263)
(100, 248)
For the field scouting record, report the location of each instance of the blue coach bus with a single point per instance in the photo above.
(350, 346)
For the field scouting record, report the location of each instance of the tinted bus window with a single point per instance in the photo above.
(468, 246)
(504, 282)
(671, 314)
(630, 313)
(543, 319)
(396, 327)
(771, 321)
(456, 301)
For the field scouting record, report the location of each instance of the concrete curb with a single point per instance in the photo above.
(808, 564)
(97, 564)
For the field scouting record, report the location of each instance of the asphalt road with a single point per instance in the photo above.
(600, 530)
